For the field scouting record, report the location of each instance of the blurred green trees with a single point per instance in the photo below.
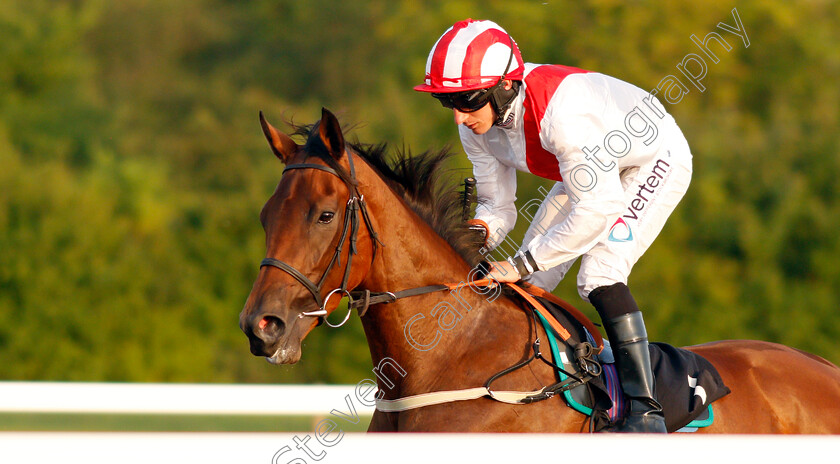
(133, 169)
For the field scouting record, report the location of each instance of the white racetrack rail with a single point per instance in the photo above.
(178, 398)
(336, 446)
(212, 448)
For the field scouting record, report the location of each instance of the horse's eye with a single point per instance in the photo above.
(326, 217)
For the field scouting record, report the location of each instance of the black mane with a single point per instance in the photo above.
(421, 180)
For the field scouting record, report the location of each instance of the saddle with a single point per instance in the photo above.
(686, 383)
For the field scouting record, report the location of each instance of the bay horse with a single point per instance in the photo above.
(344, 216)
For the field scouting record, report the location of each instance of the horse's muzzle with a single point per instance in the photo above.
(264, 332)
(270, 336)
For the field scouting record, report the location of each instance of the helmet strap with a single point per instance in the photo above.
(501, 101)
(501, 98)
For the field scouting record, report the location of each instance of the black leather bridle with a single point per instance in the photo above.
(360, 299)
(350, 229)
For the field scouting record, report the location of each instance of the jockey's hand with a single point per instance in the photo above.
(503, 271)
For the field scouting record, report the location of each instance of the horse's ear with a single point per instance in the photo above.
(281, 144)
(330, 132)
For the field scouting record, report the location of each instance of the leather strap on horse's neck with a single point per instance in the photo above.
(363, 299)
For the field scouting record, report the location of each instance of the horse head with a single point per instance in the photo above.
(319, 241)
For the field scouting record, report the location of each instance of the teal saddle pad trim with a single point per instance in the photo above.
(555, 354)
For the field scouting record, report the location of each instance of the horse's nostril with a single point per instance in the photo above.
(272, 326)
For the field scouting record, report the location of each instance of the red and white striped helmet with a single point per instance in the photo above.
(471, 55)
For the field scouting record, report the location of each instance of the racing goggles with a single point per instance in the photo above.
(469, 101)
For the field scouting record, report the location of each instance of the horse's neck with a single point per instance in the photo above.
(413, 340)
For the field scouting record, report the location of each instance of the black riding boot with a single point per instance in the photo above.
(625, 329)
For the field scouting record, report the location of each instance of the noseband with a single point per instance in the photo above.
(355, 204)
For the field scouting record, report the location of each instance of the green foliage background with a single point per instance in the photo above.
(132, 167)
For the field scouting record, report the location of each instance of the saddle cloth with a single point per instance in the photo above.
(686, 384)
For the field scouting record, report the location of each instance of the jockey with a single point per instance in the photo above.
(620, 164)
